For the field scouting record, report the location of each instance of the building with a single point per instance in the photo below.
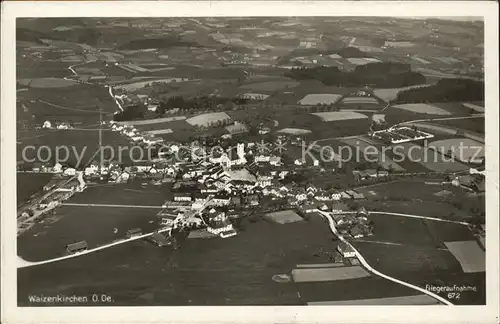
(322, 196)
(336, 196)
(346, 250)
(134, 232)
(182, 197)
(69, 172)
(77, 247)
(159, 239)
(253, 96)
(262, 158)
(153, 140)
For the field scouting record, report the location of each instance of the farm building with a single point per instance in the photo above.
(182, 197)
(346, 250)
(77, 247)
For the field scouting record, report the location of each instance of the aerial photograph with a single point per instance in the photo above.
(250, 161)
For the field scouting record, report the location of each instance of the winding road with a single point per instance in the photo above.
(363, 261)
(21, 263)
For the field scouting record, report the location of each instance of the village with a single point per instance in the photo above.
(212, 188)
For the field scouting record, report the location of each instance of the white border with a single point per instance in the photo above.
(320, 314)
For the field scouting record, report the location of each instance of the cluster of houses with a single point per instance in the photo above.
(135, 135)
(354, 225)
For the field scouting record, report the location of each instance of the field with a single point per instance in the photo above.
(403, 300)
(412, 189)
(400, 231)
(161, 131)
(206, 272)
(471, 257)
(462, 149)
(476, 108)
(328, 274)
(70, 104)
(141, 84)
(294, 131)
(206, 119)
(270, 85)
(284, 217)
(95, 225)
(362, 61)
(47, 83)
(373, 287)
(48, 239)
(81, 145)
(406, 261)
(358, 100)
(429, 158)
(152, 121)
(392, 93)
(470, 124)
(339, 115)
(365, 149)
(323, 98)
(423, 108)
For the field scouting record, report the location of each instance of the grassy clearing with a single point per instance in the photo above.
(423, 108)
(339, 115)
(329, 274)
(471, 257)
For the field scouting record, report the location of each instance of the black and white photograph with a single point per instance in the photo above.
(229, 160)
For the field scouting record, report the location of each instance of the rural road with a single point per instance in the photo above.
(331, 223)
(420, 217)
(110, 205)
(23, 263)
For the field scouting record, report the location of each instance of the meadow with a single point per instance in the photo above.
(339, 115)
(423, 109)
